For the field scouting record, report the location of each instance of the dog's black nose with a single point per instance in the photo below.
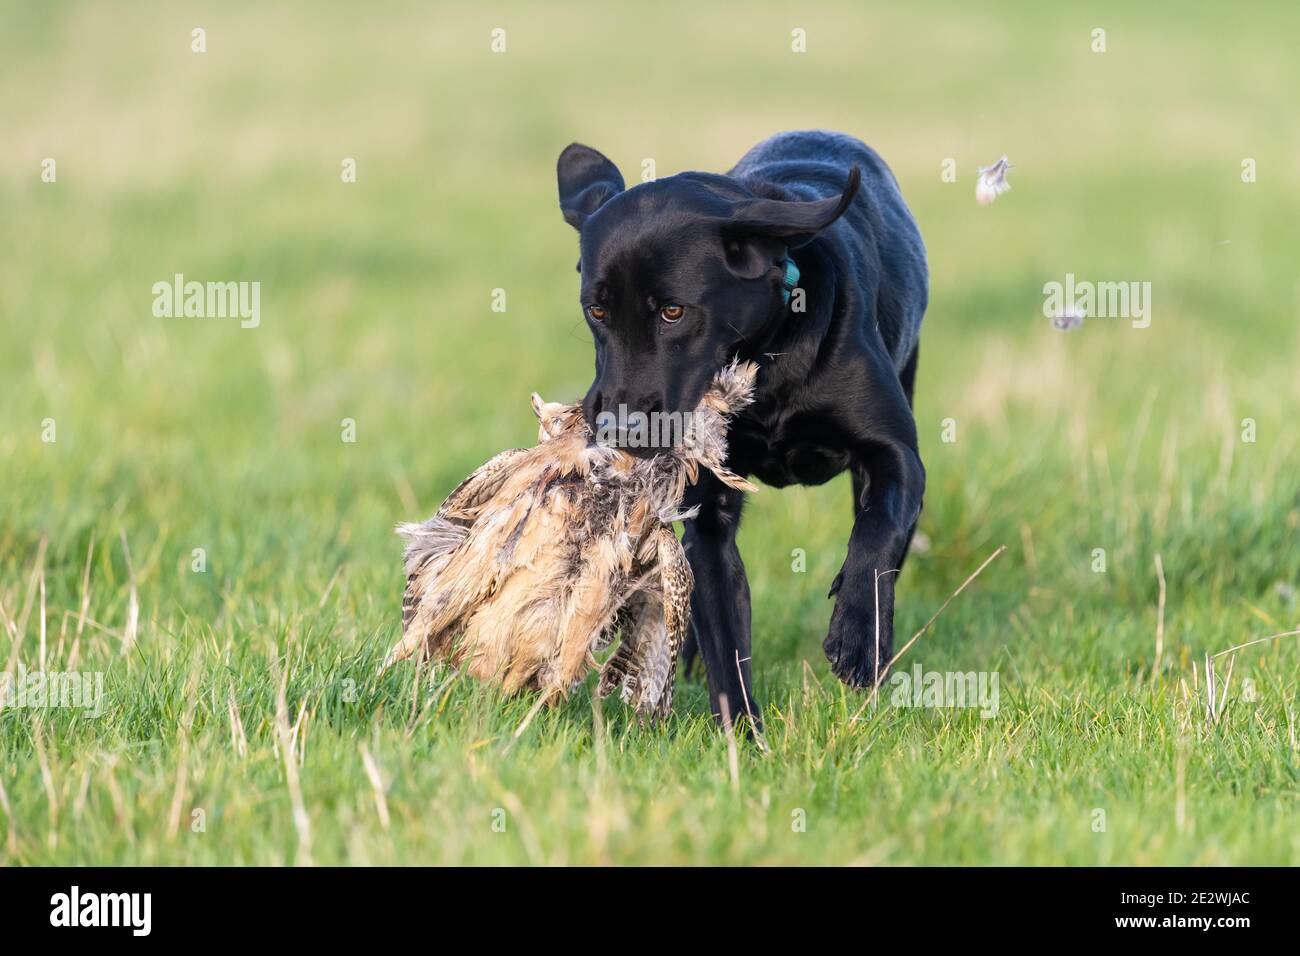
(629, 418)
(626, 401)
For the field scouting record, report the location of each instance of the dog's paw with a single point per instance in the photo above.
(858, 656)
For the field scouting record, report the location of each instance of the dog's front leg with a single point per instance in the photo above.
(720, 617)
(888, 468)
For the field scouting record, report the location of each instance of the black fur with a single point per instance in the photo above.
(835, 386)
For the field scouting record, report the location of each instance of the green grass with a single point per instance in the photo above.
(181, 434)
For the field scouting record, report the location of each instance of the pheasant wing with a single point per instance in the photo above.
(468, 498)
(677, 584)
(644, 666)
(636, 623)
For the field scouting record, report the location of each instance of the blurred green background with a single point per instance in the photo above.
(177, 434)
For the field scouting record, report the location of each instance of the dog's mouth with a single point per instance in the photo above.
(639, 442)
(653, 431)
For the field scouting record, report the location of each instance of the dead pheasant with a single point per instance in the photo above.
(544, 555)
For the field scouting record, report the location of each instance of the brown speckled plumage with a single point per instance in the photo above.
(544, 555)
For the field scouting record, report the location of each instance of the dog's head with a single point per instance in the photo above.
(677, 275)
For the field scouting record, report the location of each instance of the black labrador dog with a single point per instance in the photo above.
(804, 259)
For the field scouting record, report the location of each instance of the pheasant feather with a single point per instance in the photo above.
(545, 555)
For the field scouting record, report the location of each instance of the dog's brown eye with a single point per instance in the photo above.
(671, 313)
(597, 313)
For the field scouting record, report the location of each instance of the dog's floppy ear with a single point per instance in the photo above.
(750, 256)
(587, 181)
(794, 222)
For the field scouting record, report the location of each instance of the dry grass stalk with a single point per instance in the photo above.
(1216, 698)
(320, 605)
(1160, 618)
(118, 800)
(47, 779)
(925, 627)
(238, 739)
(15, 639)
(132, 626)
(83, 608)
(178, 793)
(753, 723)
(42, 624)
(11, 835)
(733, 759)
(301, 820)
(376, 784)
(38, 570)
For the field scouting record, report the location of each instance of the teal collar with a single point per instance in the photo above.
(790, 280)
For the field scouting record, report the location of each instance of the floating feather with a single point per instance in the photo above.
(992, 181)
